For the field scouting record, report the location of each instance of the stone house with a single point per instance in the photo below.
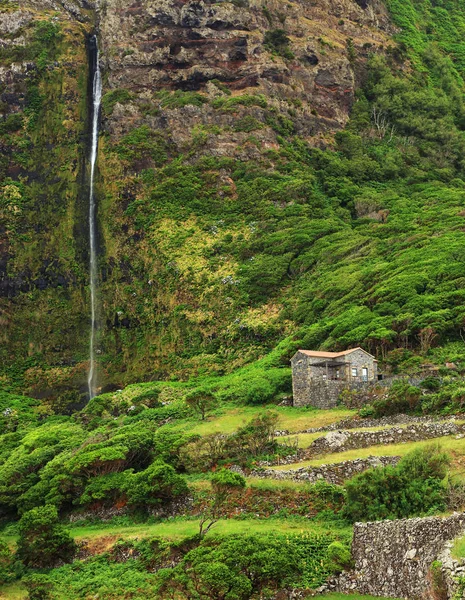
(319, 377)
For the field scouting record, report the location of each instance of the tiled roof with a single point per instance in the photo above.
(318, 354)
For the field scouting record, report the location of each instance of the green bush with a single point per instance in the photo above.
(159, 483)
(339, 557)
(42, 541)
(277, 41)
(7, 567)
(110, 99)
(401, 398)
(412, 488)
(39, 587)
(249, 566)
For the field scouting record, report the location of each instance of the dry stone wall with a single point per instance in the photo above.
(339, 441)
(335, 473)
(393, 558)
(357, 423)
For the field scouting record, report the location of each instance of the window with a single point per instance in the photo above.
(364, 374)
(354, 371)
(337, 373)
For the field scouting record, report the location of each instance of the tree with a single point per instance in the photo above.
(42, 540)
(224, 483)
(200, 402)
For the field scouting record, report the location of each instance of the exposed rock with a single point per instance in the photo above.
(148, 46)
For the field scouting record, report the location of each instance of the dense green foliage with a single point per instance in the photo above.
(42, 541)
(412, 488)
(7, 572)
(234, 567)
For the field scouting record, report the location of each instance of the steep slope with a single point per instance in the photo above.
(163, 117)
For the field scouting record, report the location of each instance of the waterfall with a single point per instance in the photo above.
(96, 97)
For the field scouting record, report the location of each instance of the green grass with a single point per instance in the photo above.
(458, 549)
(448, 443)
(179, 528)
(12, 591)
(290, 418)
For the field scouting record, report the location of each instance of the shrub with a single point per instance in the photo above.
(39, 587)
(339, 557)
(159, 483)
(7, 573)
(110, 99)
(401, 398)
(412, 488)
(277, 41)
(253, 565)
(42, 541)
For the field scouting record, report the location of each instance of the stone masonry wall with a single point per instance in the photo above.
(335, 473)
(309, 388)
(339, 441)
(393, 558)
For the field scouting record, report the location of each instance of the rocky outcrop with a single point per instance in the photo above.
(149, 46)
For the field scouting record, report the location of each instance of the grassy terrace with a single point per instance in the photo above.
(290, 418)
(449, 443)
(102, 536)
(17, 592)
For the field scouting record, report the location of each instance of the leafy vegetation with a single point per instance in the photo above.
(42, 541)
(412, 488)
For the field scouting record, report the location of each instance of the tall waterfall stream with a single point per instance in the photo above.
(96, 97)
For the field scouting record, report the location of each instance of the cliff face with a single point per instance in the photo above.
(153, 46)
(194, 93)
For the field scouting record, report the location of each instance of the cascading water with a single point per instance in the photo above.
(96, 97)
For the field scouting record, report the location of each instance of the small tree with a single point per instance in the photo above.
(200, 402)
(224, 483)
(42, 540)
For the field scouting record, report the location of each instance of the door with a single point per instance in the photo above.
(364, 374)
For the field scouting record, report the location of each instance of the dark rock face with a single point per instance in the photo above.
(149, 46)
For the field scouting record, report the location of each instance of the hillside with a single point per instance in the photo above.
(269, 176)
(262, 175)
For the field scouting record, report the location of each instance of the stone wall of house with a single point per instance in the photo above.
(321, 394)
(393, 558)
(301, 380)
(326, 394)
(360, 359)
